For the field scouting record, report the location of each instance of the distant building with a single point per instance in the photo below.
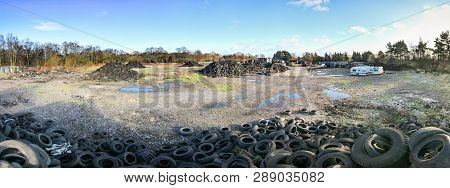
(335, 64)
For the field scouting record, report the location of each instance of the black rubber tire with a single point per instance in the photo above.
(145, 155)
(42, 140)
(296, 144)
(103, 147)
(43, 155)
(263, 147)
(375, 143)
(86, 158)
(58, 130)
(441, 158)
(322, 129)
(346, 141)
(105, 161)
(203, 158)
(183, 153)
(245, 141)
(69, 160)
(333, 150)
(423, 134)
(129, 141)
(207, 148)
(331, 145)
(210, 138)
(33, 159)
(116, 147)
(168, 148)
(128, 158)
(239, 161)
(302, 159)
(163, 162)
(186, 131)
(396, 156)
(275, 158)
(224, 145)
(212, 165)
(345, 159)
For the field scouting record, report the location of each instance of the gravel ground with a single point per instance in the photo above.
(86, 106)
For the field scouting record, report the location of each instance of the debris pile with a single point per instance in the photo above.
(280, 142)
(115, 72)
(236, 69)
(135, 65)
(192, 64)
(224, 69)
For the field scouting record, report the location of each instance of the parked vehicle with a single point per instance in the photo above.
(366, 70)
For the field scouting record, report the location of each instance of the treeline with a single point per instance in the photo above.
(15, 52)
(424, 55)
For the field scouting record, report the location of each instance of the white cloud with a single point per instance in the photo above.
(291, 44)
(48, 26)
(317, 5)
(399, 25)
(357, 29)
(104, 13)
(426, 26)
(322, 39)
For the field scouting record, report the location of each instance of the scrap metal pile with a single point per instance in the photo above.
(280, 142)
(236, 69)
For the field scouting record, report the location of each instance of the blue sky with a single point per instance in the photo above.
(225, 26)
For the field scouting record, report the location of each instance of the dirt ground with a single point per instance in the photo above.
(169, 97)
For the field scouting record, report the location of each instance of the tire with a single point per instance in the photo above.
(374, 144)
(296, 144)
(188, 165)
(440, 159)
(69, 160)
(203, 158)
(224, 145)
(129, 141)
(211, 138)
(239, 161)
(145, 156)
(128, 158)
(207, 148)
(263, 147)
(327, 160)
(331, 145)
(186, 131)
(275, 158)
(105, 162)
(167, 148)
(163, 162)
(245, 141)
(423, 134)
(58, 130)
(302, 159)
(86, 158)
(44, 156)
(42, 140)
(116, 147)
(5, 164)
(396, 156)
(183, 153)
(32, 157)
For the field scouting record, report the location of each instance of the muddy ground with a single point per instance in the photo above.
(168, 97)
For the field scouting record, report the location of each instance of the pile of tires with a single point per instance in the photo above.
(267, 143)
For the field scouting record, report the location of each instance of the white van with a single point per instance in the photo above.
(357, 71)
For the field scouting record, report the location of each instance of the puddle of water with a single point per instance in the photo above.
(279, 99)
(166, 87)
(335, 94)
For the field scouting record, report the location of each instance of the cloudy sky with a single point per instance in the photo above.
(227, 26)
